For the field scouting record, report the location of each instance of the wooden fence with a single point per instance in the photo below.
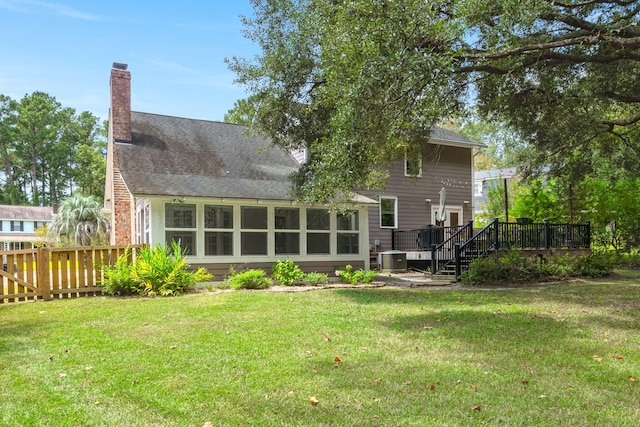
(51, 273)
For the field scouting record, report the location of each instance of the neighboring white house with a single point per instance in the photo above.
(18, 225)
(485, 180)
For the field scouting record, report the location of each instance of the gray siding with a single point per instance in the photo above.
(442, 166)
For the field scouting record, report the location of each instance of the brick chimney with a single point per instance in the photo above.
(119, 200)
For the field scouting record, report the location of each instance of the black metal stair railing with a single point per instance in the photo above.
(443, 254)
(477, 246)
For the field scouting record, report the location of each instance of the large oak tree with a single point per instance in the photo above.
(358, 82)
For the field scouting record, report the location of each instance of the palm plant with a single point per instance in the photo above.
(80, 221)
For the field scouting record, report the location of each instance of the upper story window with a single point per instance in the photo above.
(388, 212)
(412, 164)
(17, 225)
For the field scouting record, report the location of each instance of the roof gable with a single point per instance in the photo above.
(188, 157)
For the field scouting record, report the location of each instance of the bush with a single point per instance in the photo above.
(286, 272)
(347, 275)
(514, 267)
(250, 279)
(155, 271)
(314, 278)
(118, 277)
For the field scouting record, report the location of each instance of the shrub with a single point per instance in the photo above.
(250, 279)
(314, 278)
(286, 272)
(348, 275)
(155, 271)
(513, 267)
(118, 277)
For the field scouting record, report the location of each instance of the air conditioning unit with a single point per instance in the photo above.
(392, 261)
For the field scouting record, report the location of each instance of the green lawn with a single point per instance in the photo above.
(563, 354)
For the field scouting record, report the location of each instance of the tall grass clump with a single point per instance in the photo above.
(155, 271)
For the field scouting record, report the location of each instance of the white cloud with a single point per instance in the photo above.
(41, 7)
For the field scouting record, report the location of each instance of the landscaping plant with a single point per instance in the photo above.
(286, 272)
(155, 271)
(250, 279)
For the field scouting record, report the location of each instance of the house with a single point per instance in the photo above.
(414, 193)
(18, 225)
(220, 192)
(485, 180)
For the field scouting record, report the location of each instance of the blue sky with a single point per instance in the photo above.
(175, 51)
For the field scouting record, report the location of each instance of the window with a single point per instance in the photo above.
(477, 189)
(318, 231)
(218, 235)
(17, 225)
(253, 241)
(180, 225)
(388, 212)
(348, 234)
(412, 164)
(287, 235)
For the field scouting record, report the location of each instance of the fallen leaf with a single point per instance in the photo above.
(97, 402)
(432, 387)
(560, 320)
(337, 360)
(476, 408)
(632, 379)
(376, 416)
(68, 350)
(315, 371)
(619, 357)
(525, 382)
(208, 424)
(88, 368)
(406, 382)
(327, 338)
(62, 375)
(427, 326)
(313, 400)
(375, 380)
(376, 399)
(474, 387)
(597, 358)
(173, 347)
(498, 312)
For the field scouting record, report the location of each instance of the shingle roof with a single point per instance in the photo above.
(28, 213)
(442, 135)
(186, 157)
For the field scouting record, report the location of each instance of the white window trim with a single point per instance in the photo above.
(395, 212)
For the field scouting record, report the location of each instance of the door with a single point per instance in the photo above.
(454, 216)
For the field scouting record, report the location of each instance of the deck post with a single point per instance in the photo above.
(42, 271)
(434, 261)
(456, 249)
(588, 239)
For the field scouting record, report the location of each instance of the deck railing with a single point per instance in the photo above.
(458, 245)
(422, 238)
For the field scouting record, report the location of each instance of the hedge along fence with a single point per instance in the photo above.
(48, 273)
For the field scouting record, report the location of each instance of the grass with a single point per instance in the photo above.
(563, 354)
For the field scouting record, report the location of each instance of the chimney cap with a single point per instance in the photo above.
(120, 66)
